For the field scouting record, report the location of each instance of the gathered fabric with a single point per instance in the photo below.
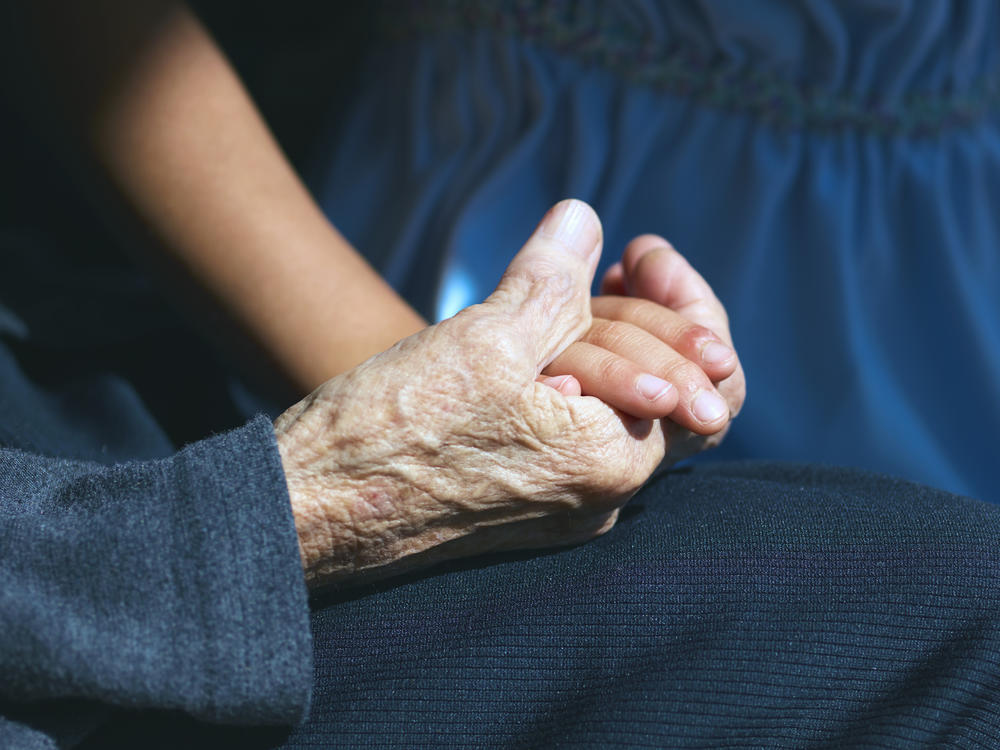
(832, 169)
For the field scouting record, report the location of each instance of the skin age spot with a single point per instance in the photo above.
(373, 504)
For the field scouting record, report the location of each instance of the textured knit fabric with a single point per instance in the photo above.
(733, 606)
(743, 606)
(832, 168)
(170, 583)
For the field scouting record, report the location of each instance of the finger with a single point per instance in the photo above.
(546, 287)
(700, 407)
(696, 342)
(655, 271)
(614, 280)
(616, 381)
(567, 385)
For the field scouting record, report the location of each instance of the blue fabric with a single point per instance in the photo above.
(833, 170)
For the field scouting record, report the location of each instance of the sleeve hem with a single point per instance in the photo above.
(258, 653)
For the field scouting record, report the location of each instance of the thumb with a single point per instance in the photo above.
(546, 287)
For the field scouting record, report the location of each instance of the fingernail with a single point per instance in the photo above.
(652, 387)
(715, 353)
(558, 383)
(573, 224)
(709, 407)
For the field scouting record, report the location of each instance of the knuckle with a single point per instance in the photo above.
(550, 280)
(662, 322)
(613, 369)
(552, 292)
(481, 348)
(691, 336)
(643, 245)
(615, 334)
(481, 328)
(618, 479)
(685, 375)
(543, 281)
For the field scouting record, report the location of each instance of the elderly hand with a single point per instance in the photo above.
(446, 445)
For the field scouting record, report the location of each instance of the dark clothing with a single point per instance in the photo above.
(734, 606)
(170, 583)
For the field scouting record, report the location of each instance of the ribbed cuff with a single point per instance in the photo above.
(257, 645)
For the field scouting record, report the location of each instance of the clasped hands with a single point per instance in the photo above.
(525, 421)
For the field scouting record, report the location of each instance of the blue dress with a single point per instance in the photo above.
(833, 170)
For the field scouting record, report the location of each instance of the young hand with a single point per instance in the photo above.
(658, 317)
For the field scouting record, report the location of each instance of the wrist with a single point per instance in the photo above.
(357, 510)
(320, 528)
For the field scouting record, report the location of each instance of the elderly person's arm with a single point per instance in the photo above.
(178, 583)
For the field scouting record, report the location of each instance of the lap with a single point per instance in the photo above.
(744, 604)
(734, 605)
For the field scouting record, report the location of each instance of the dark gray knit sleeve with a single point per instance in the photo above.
(172, 584)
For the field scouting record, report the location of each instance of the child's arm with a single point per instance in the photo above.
(173, 127)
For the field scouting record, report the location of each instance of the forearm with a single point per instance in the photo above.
(181, 139)
(166, 584)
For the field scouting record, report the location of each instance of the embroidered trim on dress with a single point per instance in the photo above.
(563, 27)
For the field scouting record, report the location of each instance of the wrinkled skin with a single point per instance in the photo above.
(447, 445)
